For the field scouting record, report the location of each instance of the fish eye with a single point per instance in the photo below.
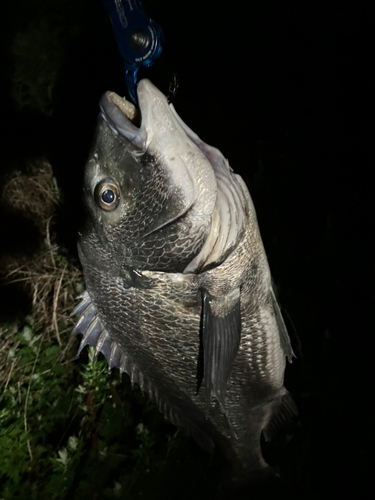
(107, 195)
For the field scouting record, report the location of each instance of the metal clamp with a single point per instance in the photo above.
(139, 38)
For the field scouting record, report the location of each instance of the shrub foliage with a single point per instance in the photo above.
(68, 428)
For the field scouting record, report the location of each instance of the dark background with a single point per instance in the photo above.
(285, 90)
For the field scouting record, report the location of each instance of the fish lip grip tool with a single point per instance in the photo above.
(139, 38)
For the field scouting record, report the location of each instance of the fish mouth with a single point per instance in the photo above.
(136, 123)
(131, 111)
(121, 115)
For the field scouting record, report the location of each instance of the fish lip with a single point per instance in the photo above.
(128, 120)
(115, 115)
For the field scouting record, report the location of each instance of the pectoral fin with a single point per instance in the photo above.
(221, 336)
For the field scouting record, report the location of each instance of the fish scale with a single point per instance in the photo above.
(174, 316)
(141, 323)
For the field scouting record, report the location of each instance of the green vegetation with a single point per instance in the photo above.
(68, 429)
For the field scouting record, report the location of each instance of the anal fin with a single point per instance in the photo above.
(221, 335)
(283, 410)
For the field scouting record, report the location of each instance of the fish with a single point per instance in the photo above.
(179, 293)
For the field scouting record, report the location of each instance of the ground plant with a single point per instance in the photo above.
(68, 428)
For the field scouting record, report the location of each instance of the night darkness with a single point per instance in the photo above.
(286, 93)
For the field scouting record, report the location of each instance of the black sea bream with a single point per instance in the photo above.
(179, 292)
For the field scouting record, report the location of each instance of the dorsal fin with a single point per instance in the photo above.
(95, 335)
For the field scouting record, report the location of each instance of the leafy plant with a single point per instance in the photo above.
(68, 428)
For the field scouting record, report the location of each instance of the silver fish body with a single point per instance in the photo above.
(179, 292)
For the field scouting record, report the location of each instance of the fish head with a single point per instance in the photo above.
(156, 196)
(147, 187)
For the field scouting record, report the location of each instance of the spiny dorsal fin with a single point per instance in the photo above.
(283, 410)
(95, 335)
(86, 300)
(284, 336)
(91, 327)
(91, 335)
(221, 335)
